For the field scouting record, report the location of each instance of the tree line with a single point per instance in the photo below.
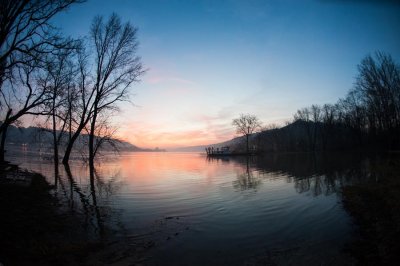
(75, 85)
(368, 117)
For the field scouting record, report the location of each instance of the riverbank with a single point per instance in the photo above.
(36, 230)
(375, 208)
(33, 230)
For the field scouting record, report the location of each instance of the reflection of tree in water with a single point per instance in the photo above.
(247, 180)
(316, 185)
(324, 173)
(318, 174)
(89, 198)
(331, 178)
(221, 159)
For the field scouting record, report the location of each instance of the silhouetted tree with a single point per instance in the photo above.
(246, 125)
(104, 133)
(26, 32)
(117, 66)
(316, 119)
(305, 115)
(58, 80)
(378, 87)
(19, 98)
(104, 77)
(328, 118)
(81, 102)
(26, 38)
(369, 114)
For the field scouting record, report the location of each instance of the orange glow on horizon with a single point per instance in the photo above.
(165, 140)
(147, 168)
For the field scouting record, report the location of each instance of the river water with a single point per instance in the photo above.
(187, 209)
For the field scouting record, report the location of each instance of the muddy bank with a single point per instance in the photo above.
(35, 230)
(375, 208)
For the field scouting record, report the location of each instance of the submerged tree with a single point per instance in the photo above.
(19, 98)
(246, 125)
(104, 77)
(117, 66)
(74, 91)
(26, 39)
(80, 102)
(58, 79)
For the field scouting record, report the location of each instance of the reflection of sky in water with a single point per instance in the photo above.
(200, 211)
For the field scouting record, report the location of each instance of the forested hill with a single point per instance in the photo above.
(307, 135)
(44, 138)
(367, 118)
(303, 135)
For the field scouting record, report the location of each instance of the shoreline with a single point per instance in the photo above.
(36, 229)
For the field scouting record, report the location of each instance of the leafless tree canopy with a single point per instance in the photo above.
(246, 124)
(26, 33)
(117, 66)
(27, 40)
(76, 84)
(368, 117)
(107, 69)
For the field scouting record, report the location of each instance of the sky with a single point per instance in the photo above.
(210, 61)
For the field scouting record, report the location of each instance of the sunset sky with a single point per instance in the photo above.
(209, 61)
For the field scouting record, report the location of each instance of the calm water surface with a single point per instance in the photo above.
(190, 210)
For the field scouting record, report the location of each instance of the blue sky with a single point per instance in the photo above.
(209, 61)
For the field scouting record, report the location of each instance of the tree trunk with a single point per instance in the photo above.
(3, 142)
(55, 144)
(3, 132)
(55, 151)
(91, 138)
(68, 151)
(94, 200)
(70, 145)
(56, 175)
(247, 143)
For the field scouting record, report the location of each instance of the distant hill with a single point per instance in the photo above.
(199, 148)
(37, 136)
(235, 142)
(298, 136)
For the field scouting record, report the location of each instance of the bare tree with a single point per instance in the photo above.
(246, 125)
(26, 33)
(81, 103)
(105, 135)
(26, 38)
(117, 66)
(369, 115)
(305, 115)
(316, 118)
(378, 87)
(104, 77)
(328, 116)
(19, 98)
(59, 80)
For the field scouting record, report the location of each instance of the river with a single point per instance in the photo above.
(187, 209)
